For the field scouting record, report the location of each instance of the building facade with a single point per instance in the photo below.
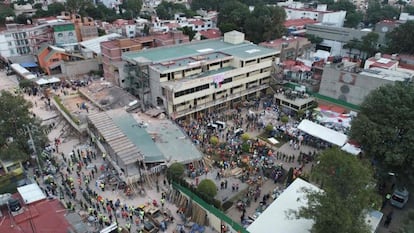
(111, 52)
(347, 82)
(193, 78)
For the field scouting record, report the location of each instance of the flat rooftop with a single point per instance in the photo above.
(170, 139)
(390, 75)
(243, 50)
(189, 61)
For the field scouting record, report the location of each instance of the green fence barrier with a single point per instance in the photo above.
(237, 227)
(336, 101)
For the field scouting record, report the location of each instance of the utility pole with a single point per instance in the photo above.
(34, 148)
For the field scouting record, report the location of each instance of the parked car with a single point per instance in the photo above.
(400, 197)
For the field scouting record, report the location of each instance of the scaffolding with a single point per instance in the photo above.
(139, 86)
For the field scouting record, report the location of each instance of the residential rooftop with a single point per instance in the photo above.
(244, 50)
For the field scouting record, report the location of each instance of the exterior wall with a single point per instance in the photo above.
(252, 77)
(353, 92)
(88, 32)
(339, 34)
(76, 68)
(65, 34)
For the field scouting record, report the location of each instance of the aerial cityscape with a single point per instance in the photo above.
(206, 116)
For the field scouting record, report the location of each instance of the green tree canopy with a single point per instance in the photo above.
(262, 24)
(166, 10)
(208, 188)
(384, 129)
(175, 171)
(348, 192)
(15, 117)
(101, 12)
(377, 12)
(133, 7)
(189, 32)
(232, 16)
(369, 44)
(353, 17)
(205, 5)
(400, 40)
(5, 11)
(78, 6)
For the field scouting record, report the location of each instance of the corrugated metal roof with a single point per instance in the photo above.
(123, 147)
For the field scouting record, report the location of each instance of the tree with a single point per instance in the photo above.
(166, 10)
(214, 140)
(208, 188)
(15, 118)
(189, 32)
(207, 5)
(245, 137)
(314, 39)
(100, 11)
(5, 11)
(175, 171)
(409, 9)
(384, 129)
(132, 6)
(353, 17)
(232, 16)
(400, 40)
(353, 44)
(377, 12)
(284, 119)
(369, 44)
(408, 223)
(78, 6)
(348, 192)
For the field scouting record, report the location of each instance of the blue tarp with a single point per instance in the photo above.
(29, 64)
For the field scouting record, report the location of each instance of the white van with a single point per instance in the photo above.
(220, 124)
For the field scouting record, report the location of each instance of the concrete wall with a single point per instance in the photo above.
(355, 91)
(339, 34)
(76, 68)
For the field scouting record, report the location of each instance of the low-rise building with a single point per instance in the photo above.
(193, 78)
(347, 82)
(290, 47)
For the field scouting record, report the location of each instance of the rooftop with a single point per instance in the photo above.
(189, 61)
(390, 75)
(95, 44)
(170, 139)
(298, 22)
(243, 50)
(138, 135)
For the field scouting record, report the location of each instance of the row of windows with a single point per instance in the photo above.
(191, 90)
(227, 80)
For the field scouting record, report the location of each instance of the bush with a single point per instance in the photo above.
(175, 171)
(207, 187)
(227, 205)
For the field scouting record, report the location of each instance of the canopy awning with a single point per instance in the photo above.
(323, 133)
(28, 64)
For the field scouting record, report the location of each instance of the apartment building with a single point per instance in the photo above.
(111, 52)
(19, 39)
(290, 47)
(320, 14)
(190, 79)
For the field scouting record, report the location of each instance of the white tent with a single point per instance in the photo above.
(42, 81)
(323, 132)
(31, 193)
(275, 218)
(53, 80)
(351, 149)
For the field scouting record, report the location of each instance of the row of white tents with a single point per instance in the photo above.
(328, 135)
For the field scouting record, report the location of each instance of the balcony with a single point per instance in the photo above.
(206, 105)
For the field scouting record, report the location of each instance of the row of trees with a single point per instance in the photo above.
(397, 41)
